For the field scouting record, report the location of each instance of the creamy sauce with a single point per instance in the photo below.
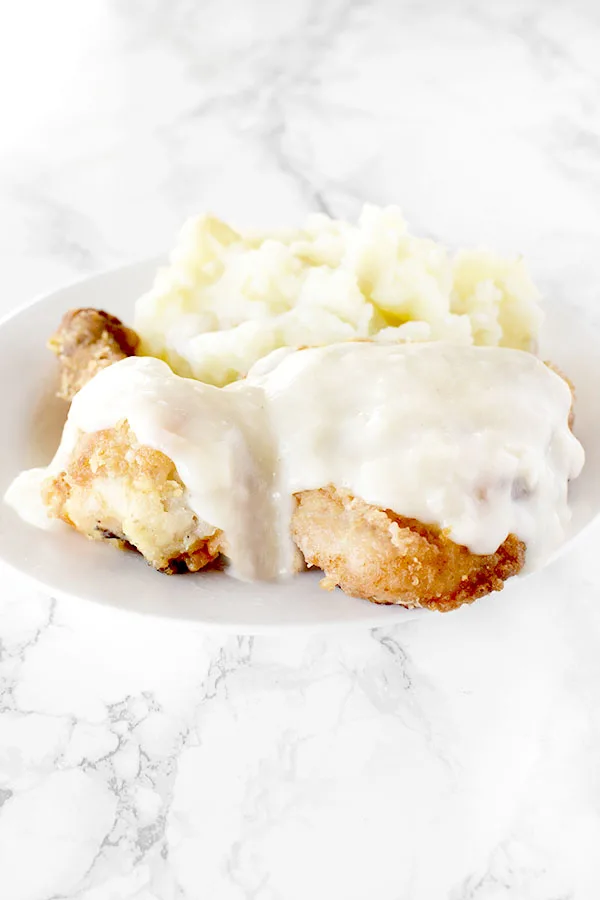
(219, 441)
(472, 439)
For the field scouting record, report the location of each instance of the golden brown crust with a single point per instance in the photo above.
(86, 341)
(130, 495)
(127, 494)
(380, 556)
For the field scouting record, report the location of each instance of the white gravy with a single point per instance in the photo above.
(472, 439)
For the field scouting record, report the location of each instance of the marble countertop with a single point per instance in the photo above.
(452, 757)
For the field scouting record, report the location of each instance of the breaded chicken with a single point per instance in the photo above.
(86, 341)
(377, 555)
(115, 489)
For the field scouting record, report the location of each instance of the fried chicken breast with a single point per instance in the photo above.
(114, 488)
(377, 555)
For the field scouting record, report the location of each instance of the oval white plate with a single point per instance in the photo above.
(65, 564)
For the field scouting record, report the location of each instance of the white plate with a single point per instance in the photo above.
(66, 564)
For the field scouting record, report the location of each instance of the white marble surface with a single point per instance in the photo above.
(455, 757)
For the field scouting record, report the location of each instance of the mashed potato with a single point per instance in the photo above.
(228, 298)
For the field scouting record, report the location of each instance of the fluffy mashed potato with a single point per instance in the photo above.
(229, 298)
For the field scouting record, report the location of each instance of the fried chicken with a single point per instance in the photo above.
(86, 341)
(116, 490)
(377, 555)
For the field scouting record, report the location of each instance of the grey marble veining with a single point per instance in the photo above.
(453, 757)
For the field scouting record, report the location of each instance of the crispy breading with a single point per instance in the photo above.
(116, 490)
(86, 341)
(377, 555)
